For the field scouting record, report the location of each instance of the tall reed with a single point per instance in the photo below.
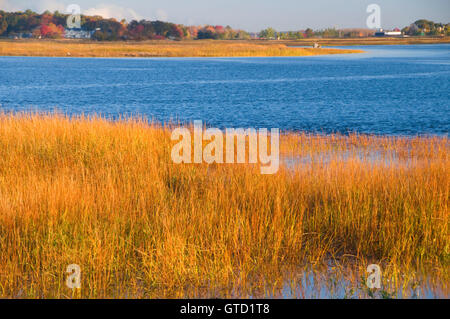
(106, 196)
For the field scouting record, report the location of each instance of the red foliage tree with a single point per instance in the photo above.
(219, 29)
(176, 31)
(193, 31)
(52, 31)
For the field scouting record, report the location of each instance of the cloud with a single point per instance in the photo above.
(103, 9)
(6, 5)
(113, 11)
(38, 6)
(161, 15)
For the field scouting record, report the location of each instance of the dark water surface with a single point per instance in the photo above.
(396, 90)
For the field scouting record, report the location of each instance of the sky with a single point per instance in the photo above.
(252, 15)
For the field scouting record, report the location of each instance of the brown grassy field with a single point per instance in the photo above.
(366, 41)
(67, 48)
(106, 196)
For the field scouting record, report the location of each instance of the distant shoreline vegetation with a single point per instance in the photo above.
(149, 49)
(30, 24)
(50, 25)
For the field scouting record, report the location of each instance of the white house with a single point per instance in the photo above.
(393, 33)
(77, 34)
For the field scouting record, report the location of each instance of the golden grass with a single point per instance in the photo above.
(366, 41)
(156, 49)
(105, 195)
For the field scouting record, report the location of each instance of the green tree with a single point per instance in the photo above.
(243, 35)
(268, 33)
(330, 33)
(298, 35)
(3, 25)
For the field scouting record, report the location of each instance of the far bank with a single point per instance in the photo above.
(199, 48)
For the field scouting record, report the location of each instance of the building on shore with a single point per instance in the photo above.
(21, 35)
(77, 34)
(394, 33)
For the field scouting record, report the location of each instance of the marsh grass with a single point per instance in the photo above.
(106, 195)
(156, 49)
(366, 41)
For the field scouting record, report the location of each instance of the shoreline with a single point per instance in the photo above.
(197, 48)
(369, 41)
(164, 49)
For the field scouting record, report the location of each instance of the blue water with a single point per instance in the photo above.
(395, 90)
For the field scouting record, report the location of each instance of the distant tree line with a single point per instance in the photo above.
(52, 25)
(48, 25)
(271, 33)
(426, 27)
(418, 28)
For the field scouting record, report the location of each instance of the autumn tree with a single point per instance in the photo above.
(207, 32)
(52, 31)
(140, 30)
(309, 33)
(107, 30)
(175, 32)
